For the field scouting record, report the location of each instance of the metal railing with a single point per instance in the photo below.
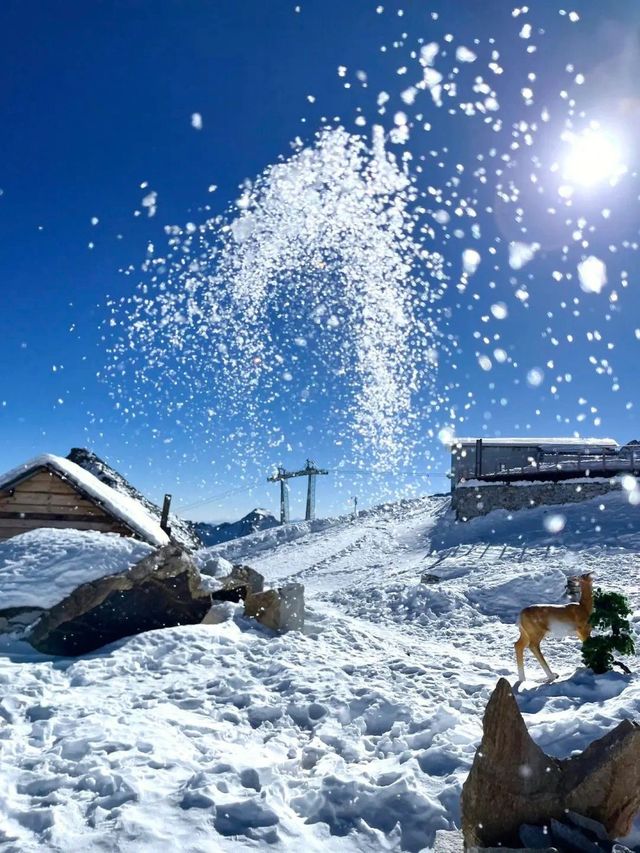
(563, 465)
(557, 465)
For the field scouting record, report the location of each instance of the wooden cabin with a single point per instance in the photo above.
(51, 491)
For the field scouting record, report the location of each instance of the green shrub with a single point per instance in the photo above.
(610, 612)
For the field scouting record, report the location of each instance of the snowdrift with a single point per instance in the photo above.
(354, 736)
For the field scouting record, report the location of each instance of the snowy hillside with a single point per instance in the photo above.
(354, 736)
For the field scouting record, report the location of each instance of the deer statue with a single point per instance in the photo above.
(559, 620)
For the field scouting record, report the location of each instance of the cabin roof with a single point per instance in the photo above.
(122, 507)
(526, 441)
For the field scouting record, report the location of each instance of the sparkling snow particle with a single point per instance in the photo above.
(470, 261)
(428, 53)
(535, 377)
(629, 483)
(446, 435)
(463, 54)
(521, 253)
(592, 273)
(409, 95)
(441, 217)
(499, 310)
(150, 201)
(196, 121)
(554, 523)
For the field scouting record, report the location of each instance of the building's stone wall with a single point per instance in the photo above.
(473, 501)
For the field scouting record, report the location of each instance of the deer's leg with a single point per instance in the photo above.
(584, 633)
(535, 648)
(520, 645)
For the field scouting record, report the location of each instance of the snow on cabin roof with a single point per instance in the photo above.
(525, 441)
(123, 507)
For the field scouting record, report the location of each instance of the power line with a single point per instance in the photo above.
(339, 471)
(237, 490)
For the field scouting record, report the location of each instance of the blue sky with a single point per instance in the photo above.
(97, 100)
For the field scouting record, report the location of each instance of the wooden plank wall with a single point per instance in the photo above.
(47, 500)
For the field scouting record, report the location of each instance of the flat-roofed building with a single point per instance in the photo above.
(511, 458)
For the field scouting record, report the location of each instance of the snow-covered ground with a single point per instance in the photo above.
(356, 735)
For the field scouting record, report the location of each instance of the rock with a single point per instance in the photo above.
(448, 841)
(279, 609)
(534, 837)
(568, 837)
(513, 782)
(216, 566)
(18, 618)
(160, 591)
(502, 849)
(242, 581)
(588, 824)
(430, 579)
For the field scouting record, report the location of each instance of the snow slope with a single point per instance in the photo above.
(354, 736)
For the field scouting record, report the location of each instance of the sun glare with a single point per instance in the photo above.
(594, 157)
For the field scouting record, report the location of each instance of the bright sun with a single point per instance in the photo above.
(593, 158)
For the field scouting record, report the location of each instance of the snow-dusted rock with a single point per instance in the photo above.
(280, 610)
(243, 576)
(513, 782)
(238, 584)
(160, 591)
(448, 841)
(40, 568)
(214, 566)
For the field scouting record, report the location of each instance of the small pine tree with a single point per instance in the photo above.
(610, 612)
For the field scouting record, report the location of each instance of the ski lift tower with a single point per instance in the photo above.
(311, 471)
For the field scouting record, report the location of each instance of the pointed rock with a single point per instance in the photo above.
(513, 782)
(603, 782)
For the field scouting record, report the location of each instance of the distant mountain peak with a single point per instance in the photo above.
(257, 519)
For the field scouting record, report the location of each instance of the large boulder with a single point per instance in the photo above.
(279, 609)
(238, 584)
(513, 782)
(160, 591)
